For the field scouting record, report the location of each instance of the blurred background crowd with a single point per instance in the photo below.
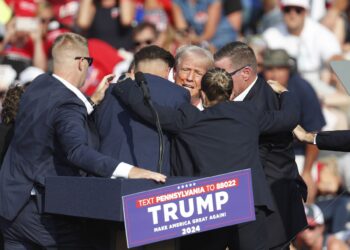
(293, 45)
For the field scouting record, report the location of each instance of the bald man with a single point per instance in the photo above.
(52, 138)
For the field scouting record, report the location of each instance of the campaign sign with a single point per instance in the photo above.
(188, 208)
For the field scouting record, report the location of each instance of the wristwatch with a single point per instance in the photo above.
(93, 104)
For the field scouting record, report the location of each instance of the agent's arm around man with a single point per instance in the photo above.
(52, 138)
(170, 118)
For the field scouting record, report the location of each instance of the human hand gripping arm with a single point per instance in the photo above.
(100, 91)
(130, 94)
(326, 140)
(304, 136)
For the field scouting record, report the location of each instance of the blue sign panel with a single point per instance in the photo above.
(188, 208)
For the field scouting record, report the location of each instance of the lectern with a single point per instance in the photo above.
(95, 198)
(153, 212)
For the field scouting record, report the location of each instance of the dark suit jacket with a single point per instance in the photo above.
(278, 160)
(124, 137)
(6, 134)
(334, 140)
(51, 138)
(220, 139)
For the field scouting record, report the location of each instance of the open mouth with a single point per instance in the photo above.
(187, 86)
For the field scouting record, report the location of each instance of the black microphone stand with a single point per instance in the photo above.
(141, 81)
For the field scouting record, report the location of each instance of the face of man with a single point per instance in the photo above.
(189, 73)
(144, 38)
(45, 15)
(294, 17)
(279, 74)
(239, 85)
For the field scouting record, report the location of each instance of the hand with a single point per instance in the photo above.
(36, 35)
(277, 87)
(140, 173)
(100, 91)
(302, 135)
(299, 133)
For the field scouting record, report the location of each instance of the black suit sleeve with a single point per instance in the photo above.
(70, 129)
(172, 120)
(285, 119)
(334, 140)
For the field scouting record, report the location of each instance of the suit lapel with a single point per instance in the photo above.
(254, 90)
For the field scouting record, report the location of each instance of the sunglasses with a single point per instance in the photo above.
(88, 59)
(234, 72)
(297, 9)
(148, 42)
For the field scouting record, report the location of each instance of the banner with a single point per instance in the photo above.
(188, 208)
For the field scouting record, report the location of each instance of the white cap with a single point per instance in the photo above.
(300, 3)
(29, 74)
(7, 76)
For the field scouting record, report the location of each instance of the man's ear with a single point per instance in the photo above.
(246, 72)
(80, 64)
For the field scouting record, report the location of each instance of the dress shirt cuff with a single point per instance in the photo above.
(315, 135)
(122, 170)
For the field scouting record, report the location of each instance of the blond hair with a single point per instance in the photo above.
(68, 46)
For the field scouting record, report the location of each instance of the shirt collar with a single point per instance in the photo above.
(77, 92)
(200, 105)
(242, 95)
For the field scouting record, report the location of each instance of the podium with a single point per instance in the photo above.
(95, 198)
(155, 214)
(101, 199)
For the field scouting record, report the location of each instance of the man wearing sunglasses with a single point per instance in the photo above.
(306, 40)
(52, 138)
(143, 35)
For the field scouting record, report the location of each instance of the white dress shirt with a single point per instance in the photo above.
(242, 95)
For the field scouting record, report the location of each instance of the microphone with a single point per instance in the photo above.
(142, 82)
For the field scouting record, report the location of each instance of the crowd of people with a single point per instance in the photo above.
(215, 51)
